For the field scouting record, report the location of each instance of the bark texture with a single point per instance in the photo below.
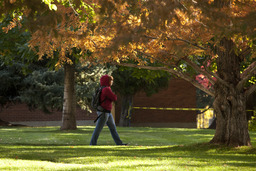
(125, 116)
(69, 104)
(230, 102)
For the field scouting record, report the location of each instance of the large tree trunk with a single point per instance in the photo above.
(230, 103)
(69, 104)
(125, 116)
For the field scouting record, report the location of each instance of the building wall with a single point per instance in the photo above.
(179, 94)
(21, 113)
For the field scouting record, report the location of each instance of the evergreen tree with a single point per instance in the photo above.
(87, 81)
(129, 81)
(43, 89)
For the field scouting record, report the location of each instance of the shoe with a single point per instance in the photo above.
(124, 144)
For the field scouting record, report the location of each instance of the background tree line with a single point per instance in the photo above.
(39, 85)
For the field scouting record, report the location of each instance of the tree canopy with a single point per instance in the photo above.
(215, 38)
(169, 32)
(190, 32)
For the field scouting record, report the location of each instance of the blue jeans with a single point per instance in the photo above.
(105, 118)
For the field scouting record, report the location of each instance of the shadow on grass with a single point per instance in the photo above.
(150, 147)
(81, 136)
(202, 153)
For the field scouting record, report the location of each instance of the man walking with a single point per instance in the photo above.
(105, 116)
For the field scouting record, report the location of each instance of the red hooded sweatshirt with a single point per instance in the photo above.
(107, 96)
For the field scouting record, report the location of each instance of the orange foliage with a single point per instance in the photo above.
(14, 23)
(166, 30)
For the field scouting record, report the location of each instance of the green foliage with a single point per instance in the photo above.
(203, 99)
(49, 3)
(43, 89)
(21, 71)
(26, 79)
(11, 81)
(252, 122)
(14, 61)
(87, 80)
(13, 45)
(88, 15)
(85, 11)
(132, 80)
(252, 80)
(249, 60)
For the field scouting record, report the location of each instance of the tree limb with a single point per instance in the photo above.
(249, 69)
(246, 75)
(178, 39)
(188, 42)
(221, 80)
(158, 60)
(71, 5)
(245, 52)
(177, 72)
(199, 70)
(197, 84)
(172, 71)
(250, 90)
(206, 73)
(189, 62)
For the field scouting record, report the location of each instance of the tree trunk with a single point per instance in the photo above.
(69, 104)
(125, 116)
(230, 103)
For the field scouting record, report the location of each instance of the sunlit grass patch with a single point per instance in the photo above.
(48, 148)
(31, 165)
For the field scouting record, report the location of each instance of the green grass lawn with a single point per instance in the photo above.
(48, 148)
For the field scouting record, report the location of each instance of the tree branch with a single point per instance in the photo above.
(250, 90)
(172, 71)
(246, 75)
(71, 5)
(221, 80)
(245, 52)
(178, 39)
(249, 69)
(177, 71)
(188, 42)
(199, 70)
(158, 60)
(197, 84)
(189, 62)
(206, 73)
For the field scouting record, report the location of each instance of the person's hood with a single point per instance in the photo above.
(104, 80)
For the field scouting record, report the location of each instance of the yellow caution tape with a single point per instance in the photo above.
(162, 108)
(186, 109)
